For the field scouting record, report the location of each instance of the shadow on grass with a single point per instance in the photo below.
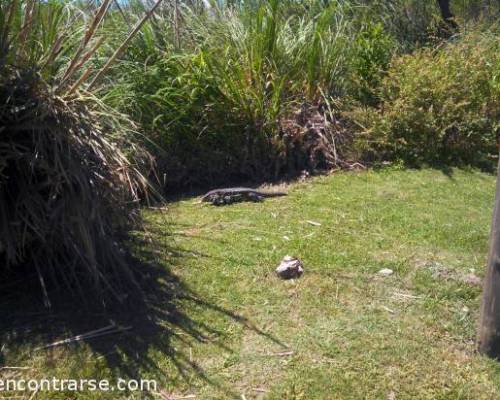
(164, 315)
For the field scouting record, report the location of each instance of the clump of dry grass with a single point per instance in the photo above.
(70, 175)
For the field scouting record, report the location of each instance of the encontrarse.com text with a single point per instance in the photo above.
(76, 385)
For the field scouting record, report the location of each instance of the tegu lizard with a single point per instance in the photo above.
(221, 197)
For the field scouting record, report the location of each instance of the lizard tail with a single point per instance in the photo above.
(274, 194)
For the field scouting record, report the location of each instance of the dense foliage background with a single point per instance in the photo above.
(220, 92)
(232, 91)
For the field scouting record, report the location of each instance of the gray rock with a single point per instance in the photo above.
(290, 268)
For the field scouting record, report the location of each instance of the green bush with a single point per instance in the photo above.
(439, 106)
(371, 56)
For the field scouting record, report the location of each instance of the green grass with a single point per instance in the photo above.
(353, 333)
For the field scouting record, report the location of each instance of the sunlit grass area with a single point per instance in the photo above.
(226, 327)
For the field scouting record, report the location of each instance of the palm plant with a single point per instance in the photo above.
(70, 171)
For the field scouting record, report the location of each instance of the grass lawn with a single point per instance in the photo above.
(224, 326)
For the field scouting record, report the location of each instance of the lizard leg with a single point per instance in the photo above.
(255, 197)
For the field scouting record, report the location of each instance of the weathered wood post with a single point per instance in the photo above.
(489, 323)
(448, 17)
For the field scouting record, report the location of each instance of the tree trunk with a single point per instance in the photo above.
(444, 7)
(489, 325)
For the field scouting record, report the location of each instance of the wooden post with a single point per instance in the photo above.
(489, 324)
(448, 18)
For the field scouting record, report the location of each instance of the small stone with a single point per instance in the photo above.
(290, 268)
(386, 272)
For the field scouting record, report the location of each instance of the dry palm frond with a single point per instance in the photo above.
(91, 30)
(120, 49)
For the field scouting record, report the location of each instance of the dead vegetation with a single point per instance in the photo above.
(315, 138)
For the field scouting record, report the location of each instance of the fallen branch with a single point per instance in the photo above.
(281, 354)
(167, 396)
(107, 330)
(406, 296)
(313, 223)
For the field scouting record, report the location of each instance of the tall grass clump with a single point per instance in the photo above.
(440, 106)
(229, 104)
(70, 180)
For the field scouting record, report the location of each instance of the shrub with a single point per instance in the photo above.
(371, 56)
(439, 106)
